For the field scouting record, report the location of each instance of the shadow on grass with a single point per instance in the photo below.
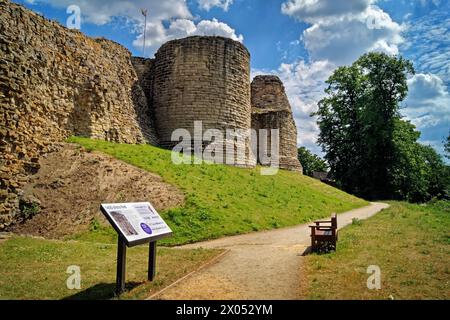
(101, 291)
(320, 251)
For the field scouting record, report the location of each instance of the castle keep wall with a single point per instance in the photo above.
(54, 83)
(144, 70)
(271, 110)
(202, 79)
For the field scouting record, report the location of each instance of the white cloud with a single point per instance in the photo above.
(101, 12)
(428, 107)
(157, 35)
(427, 42)
(342, 40)
(313, 11)
(174, 13)
(216, 28)
(304, 84)
(428, 101)
(339, 33)
(208, 4)
(426, 87)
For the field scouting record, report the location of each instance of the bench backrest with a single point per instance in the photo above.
(334, 221)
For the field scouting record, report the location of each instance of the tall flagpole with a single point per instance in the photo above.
(144, 13)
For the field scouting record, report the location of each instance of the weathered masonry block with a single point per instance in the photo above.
(202, 79)
(56, 82)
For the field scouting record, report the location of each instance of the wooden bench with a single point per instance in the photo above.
(324, 235)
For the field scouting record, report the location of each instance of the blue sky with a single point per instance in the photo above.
(302, 41)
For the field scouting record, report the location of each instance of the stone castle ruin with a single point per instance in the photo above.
(198, 79)
(56, 82)
(271, 110)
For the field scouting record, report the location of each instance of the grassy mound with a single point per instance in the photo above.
(224, 200)
(409, 243)
(37, 269)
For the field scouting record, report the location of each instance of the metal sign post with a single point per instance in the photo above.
(122, 261)
(152, 261)
(121, 266)
(136, 223)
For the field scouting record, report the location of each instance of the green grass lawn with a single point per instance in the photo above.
(33, 268)
(224, 200)
(411, 245)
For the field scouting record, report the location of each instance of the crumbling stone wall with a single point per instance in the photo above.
(203, 79)
(271, 110)
(54, 83)
(145, 71)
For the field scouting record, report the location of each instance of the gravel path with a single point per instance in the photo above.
(261, 265)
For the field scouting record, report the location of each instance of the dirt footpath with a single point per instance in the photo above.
(72, 183)
(262, 265)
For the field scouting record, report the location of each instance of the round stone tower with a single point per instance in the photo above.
(202, 79)
(271, 110)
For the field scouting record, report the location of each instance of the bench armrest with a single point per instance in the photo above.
(323, 221)
(322, 227)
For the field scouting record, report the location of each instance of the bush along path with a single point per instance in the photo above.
(261, 265)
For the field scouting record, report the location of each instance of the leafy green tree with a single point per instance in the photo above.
(357, 121)
(311, 162)
(371, 151)
(408, 174)
(340, 123)
(438, 174)
(385, 86)
(418, 172)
